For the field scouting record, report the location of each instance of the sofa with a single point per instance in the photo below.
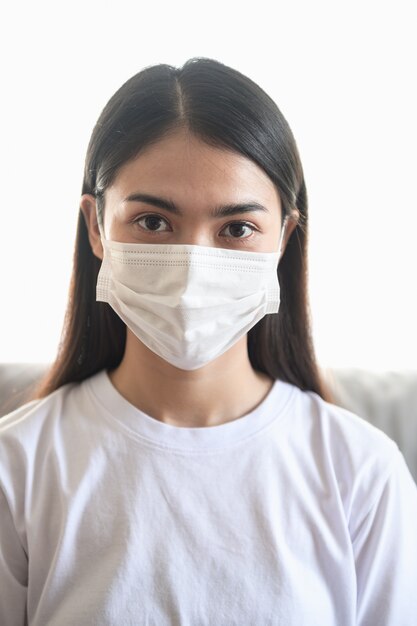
(388, 399)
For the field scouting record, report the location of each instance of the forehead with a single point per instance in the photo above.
(181, 164)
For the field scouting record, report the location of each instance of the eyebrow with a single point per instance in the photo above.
(218, 211)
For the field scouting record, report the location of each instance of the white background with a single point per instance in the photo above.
(344, 76)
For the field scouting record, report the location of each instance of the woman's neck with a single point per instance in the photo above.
(219, 392)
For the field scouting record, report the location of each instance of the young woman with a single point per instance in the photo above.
(182, 463)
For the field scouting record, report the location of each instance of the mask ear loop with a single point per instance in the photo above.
(281, 239)
(100, 225)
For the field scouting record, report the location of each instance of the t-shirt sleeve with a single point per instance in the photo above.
(385, 551)
(13, 570)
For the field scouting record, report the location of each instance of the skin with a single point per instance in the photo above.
(196, 178)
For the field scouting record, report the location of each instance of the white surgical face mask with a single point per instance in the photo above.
(188, 303)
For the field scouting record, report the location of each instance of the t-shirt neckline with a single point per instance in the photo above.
(143, 426)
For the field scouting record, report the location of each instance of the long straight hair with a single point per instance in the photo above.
(225, 109)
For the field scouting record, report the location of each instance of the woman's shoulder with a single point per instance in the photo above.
(337, 424)
(354, 448)
(32, 421)
(41, 432)
(342, 453)
(33, 411)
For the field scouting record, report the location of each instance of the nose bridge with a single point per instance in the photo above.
(197, 233)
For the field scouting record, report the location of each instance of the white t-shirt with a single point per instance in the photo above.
(298, 514)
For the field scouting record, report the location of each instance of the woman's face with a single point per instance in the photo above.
(183, 191)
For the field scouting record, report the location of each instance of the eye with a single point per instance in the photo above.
(153, 223)
(238, 230)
